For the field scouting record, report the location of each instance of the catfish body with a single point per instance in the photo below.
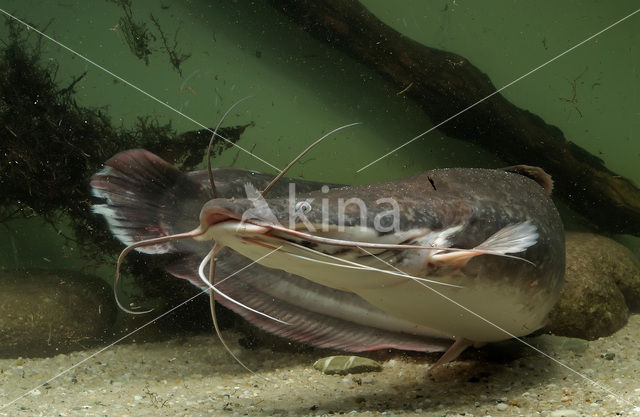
(497, 297)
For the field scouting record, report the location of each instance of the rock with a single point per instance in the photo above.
(613, 260)
(343, 365)
(44, 312)
(602, 283)
(624, 267)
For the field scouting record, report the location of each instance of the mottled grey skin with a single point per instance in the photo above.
(483, 200)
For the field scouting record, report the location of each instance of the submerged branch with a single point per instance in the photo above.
(444, 84)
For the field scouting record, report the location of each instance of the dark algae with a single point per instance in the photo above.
(50, 146)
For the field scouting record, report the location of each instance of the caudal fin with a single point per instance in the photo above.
(146, 197)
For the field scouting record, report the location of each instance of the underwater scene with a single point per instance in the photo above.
(230, 208)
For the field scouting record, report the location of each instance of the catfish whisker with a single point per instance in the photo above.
(147, 242)
(300, 155)
(216, 248)
(212, 302)
(225, 296)
(356, 265)
(210, 257)
(354, 243)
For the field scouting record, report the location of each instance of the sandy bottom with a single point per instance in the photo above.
(194, 376)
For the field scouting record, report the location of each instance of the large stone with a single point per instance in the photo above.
(602, 283)
(49, 312)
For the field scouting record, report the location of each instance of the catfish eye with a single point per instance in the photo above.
(303, 207)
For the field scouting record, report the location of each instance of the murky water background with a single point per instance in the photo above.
(300, 88)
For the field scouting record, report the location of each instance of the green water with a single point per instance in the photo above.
(523, 35)
(299, 88)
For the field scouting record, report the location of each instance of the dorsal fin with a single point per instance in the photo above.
(535, 173)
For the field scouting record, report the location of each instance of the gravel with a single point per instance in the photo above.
(194, 376)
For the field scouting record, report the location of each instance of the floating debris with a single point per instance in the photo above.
(175, 58)
(135, 32)
(140, 38)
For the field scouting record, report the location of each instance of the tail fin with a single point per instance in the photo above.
(146, 197)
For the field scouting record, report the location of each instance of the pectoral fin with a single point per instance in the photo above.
(510, 239)
(453, 260)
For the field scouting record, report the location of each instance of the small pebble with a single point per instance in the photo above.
(608, 356)
(343, 365)
(502, 406)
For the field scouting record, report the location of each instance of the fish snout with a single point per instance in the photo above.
(219, 210)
